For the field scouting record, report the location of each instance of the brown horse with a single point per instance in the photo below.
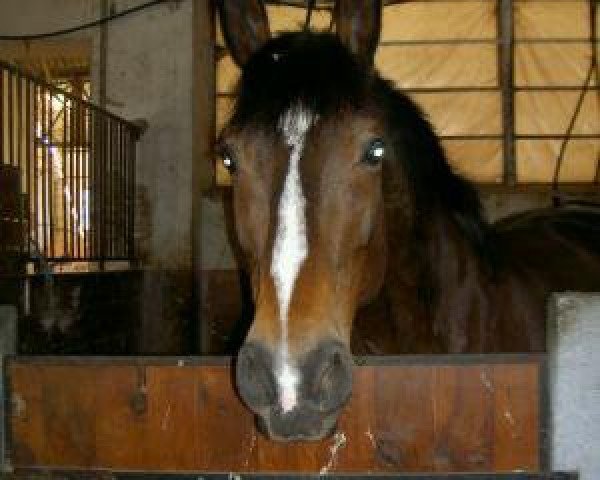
(358, 235)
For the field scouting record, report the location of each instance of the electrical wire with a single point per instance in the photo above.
(309, 10)
(95, 23)
(593, 68)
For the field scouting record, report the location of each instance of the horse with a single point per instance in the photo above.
(357, 235)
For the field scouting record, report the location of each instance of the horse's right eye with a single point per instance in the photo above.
(228, 161)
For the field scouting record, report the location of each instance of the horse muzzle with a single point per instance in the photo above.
(323, 383)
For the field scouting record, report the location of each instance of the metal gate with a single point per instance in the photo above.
(69, 171)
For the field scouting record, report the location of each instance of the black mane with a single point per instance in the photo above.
(315, 69)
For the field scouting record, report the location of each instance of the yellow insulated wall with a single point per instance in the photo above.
(444, 54)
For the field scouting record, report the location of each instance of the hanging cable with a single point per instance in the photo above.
(309, 10)
(595, 47)
(585, 88)
(95, 23)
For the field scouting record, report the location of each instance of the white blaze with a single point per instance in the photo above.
(291, 245)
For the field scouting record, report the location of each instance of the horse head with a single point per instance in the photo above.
(313, 147)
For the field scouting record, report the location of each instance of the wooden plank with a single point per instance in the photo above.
(413, 414)
(462, 409)
(78, 475)
(404, 436)
(513, 450)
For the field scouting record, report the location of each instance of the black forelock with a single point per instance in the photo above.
(313, 69)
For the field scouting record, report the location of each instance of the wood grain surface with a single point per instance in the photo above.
(413, 414)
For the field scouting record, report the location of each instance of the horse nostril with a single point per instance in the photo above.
(329, 373)
(254, 376)
(333, 377)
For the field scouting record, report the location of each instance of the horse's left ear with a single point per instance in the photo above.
(358, 24)
(245, 26)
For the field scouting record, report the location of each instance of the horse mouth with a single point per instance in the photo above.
(296, 426)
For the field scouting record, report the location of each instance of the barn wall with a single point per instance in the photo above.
(144, 64)
(35, 16)
(149, 76)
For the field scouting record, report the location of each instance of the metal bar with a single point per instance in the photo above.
(33, 200)
(528, 187)
(94, 184)
(71, 169)
(18, 120)
(78, 182)
(125, 193)
(533, 136)
(90, 183)
(50, 176)
(471, 89)
(459, 89)
(85, 183)
(11, 134)
(442, 42)
(131, 193)
(106, 189)
(109, 178)
(506, 75)
(575, 136)
(115, 188)
(28, 163)
(63, 166)
(483, 41)
(2, 122)
(114, 172)
(104, 204)
(118, 191)
(498, 136)
(534, 40)
(82, 180)
(19, 116)
(75, 210)
(99, 187)
(122, 193)
(43, 167)
(553, 88)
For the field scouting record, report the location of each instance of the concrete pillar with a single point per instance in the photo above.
(8, 346)
(574, 381)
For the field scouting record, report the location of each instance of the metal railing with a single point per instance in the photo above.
(67, 174)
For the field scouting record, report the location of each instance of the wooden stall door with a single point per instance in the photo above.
(406, 414)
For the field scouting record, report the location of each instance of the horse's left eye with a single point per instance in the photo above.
(375, 153)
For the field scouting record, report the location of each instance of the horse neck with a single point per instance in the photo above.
(442, 284)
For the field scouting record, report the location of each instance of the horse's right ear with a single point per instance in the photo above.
(245, 27)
